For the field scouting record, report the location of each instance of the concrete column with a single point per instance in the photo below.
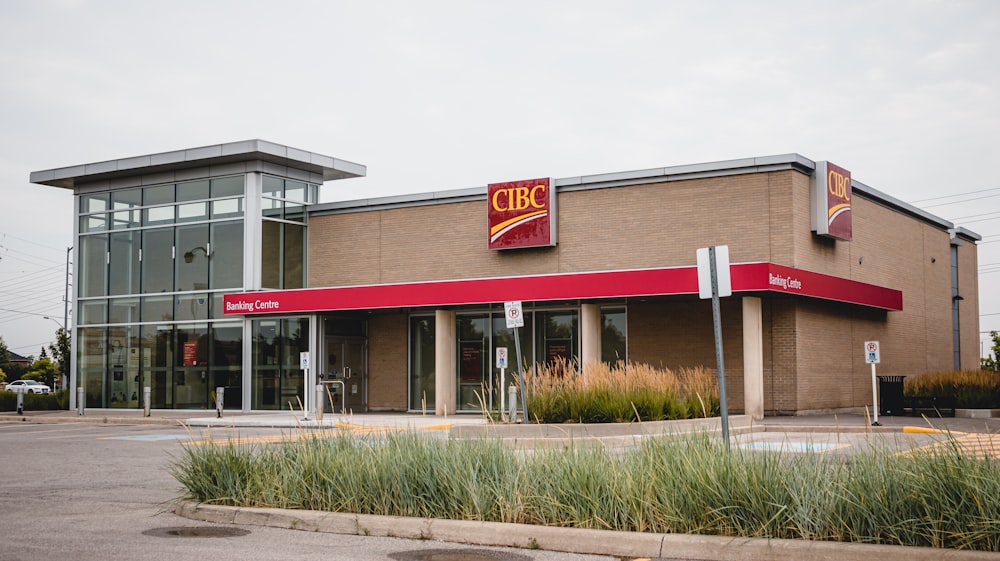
(753, 358)
(590, 334)
(445, 362)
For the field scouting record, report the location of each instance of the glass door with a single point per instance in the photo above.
(346, 362)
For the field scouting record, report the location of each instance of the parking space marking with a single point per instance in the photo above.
(976, 445)
(800, 447)
(148, 437)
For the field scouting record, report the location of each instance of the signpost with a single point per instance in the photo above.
(502, 365)
(714, 281)
(515, 318)
(872, 357)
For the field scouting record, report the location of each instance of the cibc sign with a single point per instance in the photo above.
(521, 214)
(831, 201)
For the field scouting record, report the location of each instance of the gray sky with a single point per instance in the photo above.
(439, 95)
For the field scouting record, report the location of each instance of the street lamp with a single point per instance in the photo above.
(57, 322)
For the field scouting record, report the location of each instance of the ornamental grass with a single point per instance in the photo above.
(602, 393)
(690, 485)
(971, 389)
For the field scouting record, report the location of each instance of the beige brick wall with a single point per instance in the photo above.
(812, 349)
(387, 362)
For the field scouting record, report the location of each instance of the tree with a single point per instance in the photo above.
(3, 376)
(42, 370)
(60, 351)
(4, 352)
(43, 355)
(992, 361)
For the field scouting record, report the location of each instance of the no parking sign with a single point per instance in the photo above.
(871, 352)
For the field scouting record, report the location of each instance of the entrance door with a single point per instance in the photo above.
(346, 361)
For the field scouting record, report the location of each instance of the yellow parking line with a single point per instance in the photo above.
(980, 446)
(925, 430)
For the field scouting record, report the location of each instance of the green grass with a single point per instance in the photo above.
(685, 485)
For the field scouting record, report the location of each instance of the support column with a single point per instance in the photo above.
(753, 358)
(445, 362)
(590, 334)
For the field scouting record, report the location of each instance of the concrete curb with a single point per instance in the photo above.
(570, 540)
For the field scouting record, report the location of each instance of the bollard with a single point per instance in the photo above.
(79, 401)
(220, 393)
(320, 403)
(512, 401)
(145, 400)
(20, 401)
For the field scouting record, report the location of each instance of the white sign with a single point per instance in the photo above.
(871, 352)
(513, 313)
(304, 360)
(501, 357)
(721, 272)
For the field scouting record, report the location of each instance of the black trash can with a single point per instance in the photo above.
(890, 390)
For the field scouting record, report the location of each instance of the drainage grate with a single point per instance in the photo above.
(196, 532)
(457, 555)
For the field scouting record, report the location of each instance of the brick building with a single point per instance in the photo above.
(216, 267)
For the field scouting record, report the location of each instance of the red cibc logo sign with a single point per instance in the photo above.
(521, 214)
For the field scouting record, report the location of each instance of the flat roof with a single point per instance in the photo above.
(246, 150)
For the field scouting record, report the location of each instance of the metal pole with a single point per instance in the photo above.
(146, 400)
(717, 321)
(875, 423)
(20, 401)
(520, 379)
(320, 403)
(79, 401)
(220, 400)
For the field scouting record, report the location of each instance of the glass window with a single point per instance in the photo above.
(614, 333)
(191, 307)
(227, 361)
(557, 336)
(123, 385)
(193, 254)
(93, 312)
(192, 190)
(272, 187)
(191, 387)
(125, 219)
(128, 198)
(91, 364)
(159, 215)
(422, 363)
(295, 191)
(93, 265)
(93, 203)
(227, 186)
(158, 195)
(158, 260)
(503, 336)
(124, 263)
(124, 310)
(93, 223)
(157, 308)
(157, 351)
(227, 208)
(473, 362)
(192, 212)
(226, 263)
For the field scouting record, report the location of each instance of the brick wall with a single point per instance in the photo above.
(387, 362)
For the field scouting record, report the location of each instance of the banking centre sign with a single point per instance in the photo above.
(745, 277)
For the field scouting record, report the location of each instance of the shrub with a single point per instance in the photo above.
(971, 389)
(600, 393)
(36, 402)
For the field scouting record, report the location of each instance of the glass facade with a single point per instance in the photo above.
(154, 263)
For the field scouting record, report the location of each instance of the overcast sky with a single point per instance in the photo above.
(435, 95)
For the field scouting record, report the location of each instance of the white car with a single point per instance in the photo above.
(28, 386)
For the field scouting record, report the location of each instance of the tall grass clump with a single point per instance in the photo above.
(601, 393)
(971, 389)
(939, 498)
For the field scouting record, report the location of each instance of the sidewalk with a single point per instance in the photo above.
(473, 424)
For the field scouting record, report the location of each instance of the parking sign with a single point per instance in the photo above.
(871, 352)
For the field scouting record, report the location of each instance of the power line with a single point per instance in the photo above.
(6, 235)
(953, 195)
